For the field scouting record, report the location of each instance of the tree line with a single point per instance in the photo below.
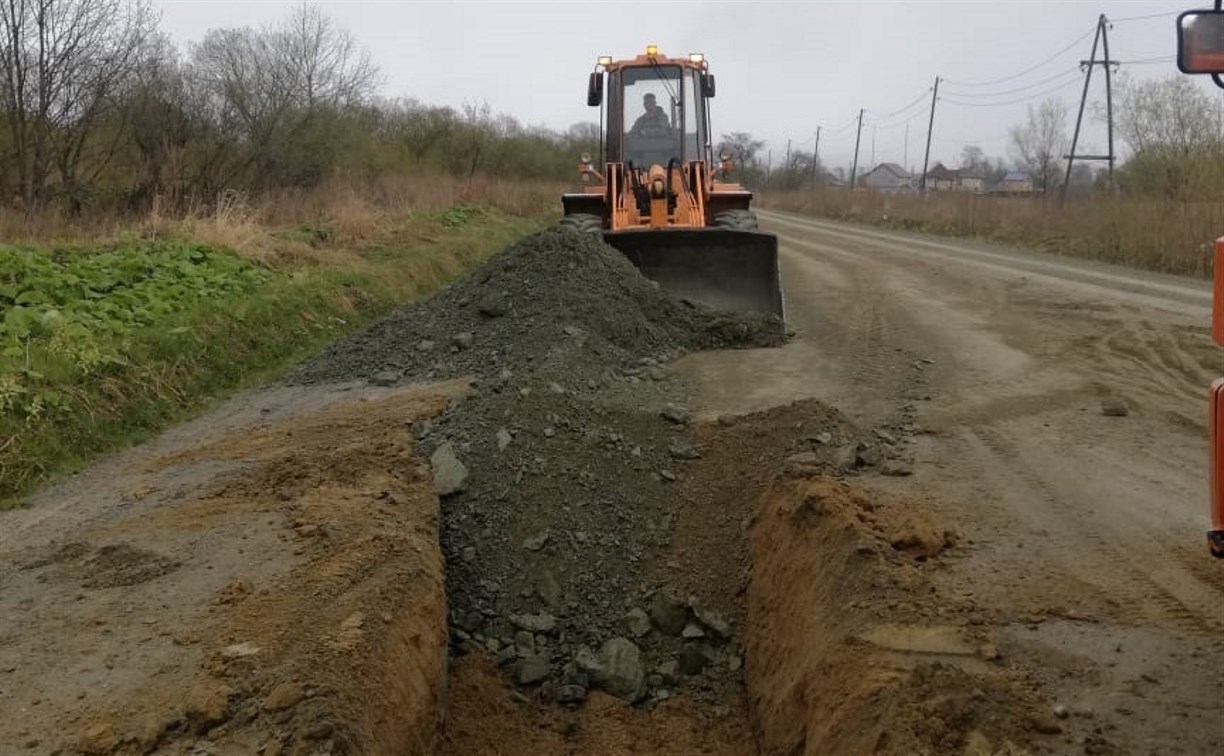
(99, 109)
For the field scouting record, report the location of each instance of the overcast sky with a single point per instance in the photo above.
(783, 68)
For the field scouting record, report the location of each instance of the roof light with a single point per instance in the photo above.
(605, 60)
(696, 57)
(652, 49)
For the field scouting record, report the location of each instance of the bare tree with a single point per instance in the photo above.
(156, 117)
(1040, 143)
(742, 148)
(1170, 114)
(62, 62)
(269, 91)
(323, 65)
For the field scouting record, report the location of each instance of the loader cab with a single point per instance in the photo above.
(679, 128)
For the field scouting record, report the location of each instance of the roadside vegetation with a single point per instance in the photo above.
(1167, 236)
(107, 342)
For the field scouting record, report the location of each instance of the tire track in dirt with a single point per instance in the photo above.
(1179, 597)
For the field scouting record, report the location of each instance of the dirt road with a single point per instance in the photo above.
(1084, 548)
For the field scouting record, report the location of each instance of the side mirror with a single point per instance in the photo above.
(1200, 42)
(707, 85)
(595, 89)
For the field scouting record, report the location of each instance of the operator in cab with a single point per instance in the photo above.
(653, 118)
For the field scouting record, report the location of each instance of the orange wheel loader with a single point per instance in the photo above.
(1200, 50)
(659, 197)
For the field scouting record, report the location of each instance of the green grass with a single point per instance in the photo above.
(102, 347)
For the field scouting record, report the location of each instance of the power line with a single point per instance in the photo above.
(1030, 69)
(1167, 14)
(1035, 84)
(954, 140)
(853, 121)
(920, 98)
(897, 124)
(1034, 96)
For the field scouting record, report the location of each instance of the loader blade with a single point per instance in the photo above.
(727, 270)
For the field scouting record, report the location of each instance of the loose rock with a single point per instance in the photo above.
(623, 675)
(448, 472)
(536, 623)
(676, 413)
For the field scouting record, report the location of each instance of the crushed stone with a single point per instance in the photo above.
(573, 428)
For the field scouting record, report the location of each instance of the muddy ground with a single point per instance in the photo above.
(517, 520)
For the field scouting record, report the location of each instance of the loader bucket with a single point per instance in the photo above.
(727, 270)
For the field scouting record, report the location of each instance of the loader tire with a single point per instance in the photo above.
(583, 223)
(736, 220)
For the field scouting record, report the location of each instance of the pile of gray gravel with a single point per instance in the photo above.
(560, 473)
(519, 304)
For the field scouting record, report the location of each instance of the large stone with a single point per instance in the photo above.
(524, 643)
(493, 305)
(896, 468)
(533, 669)
(448, 472)
(869, 455)
(386, 378)
(676, 413)
(623, 675)
(637, 622)
(683, 450)
(668, 613)
(710, 620)
(588, 662)
(284, 696)
(206, 707)
(534, 623)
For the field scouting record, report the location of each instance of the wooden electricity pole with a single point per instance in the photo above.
(857, 138)
(926, 158)
(815, 158)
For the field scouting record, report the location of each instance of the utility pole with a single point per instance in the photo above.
(857, 138)
(905, 161)
(788, 160)
(873, 136)
(1102, 37)
(926, 158)
(815, 157)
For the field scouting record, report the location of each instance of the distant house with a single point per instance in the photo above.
(889, 177)
(971, 181)
(1017, 182)
(942, 179)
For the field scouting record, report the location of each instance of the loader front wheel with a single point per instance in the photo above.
(737, 220)
(583, 223)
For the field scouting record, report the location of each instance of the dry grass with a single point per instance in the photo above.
(1171, 237)
(344, 211)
